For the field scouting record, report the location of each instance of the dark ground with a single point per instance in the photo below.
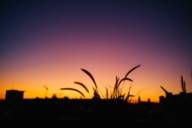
(76, 112)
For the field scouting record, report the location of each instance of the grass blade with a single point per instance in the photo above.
(82, 85)
(128, 94)
(90, 75)
(124, 79)
(72, 89)
(132, 70)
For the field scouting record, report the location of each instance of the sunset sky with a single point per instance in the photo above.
(47, 42)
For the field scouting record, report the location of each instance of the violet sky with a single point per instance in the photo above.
(47, 42)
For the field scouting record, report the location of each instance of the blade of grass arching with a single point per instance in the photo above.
(82, 85)
(124, 79)
(132, 70)
(90, 75)
(118, 92)
(73, 89)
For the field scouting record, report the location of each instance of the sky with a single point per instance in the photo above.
(48, 42)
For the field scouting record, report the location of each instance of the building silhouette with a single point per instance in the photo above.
(14, 95)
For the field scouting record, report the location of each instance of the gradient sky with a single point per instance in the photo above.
(46, 43)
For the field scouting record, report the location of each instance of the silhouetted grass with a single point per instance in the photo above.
(107, 93)
(73, 89)
(90, 75)
(131, 70)
(82, 85)
(116, 94)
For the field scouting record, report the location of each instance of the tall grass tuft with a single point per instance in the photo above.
(117, 92)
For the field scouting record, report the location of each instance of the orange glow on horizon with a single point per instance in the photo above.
(141, 86)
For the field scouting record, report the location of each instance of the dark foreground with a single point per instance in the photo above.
(60, 111)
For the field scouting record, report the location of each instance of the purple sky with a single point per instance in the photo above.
(108, 37)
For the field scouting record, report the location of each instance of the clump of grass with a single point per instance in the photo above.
(117, 92)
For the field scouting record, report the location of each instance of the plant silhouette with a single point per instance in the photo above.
(116, 94)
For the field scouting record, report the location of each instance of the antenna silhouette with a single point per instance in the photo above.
(46, 90)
